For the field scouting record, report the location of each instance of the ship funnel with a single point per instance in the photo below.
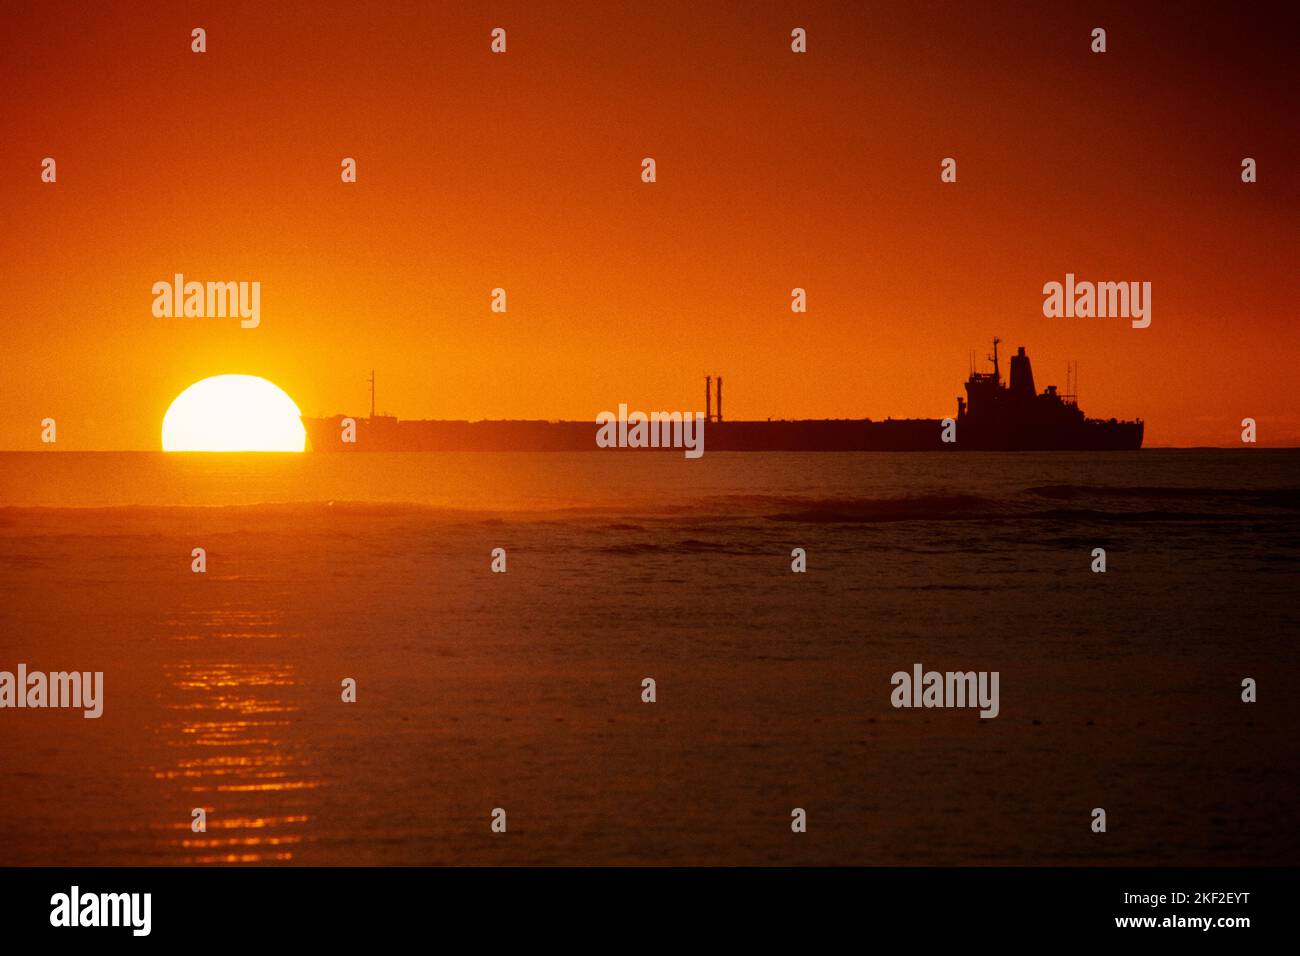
(1022, 375)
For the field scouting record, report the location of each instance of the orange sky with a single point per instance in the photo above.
(775, 170)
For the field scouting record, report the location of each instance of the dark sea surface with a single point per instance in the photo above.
(522, 690)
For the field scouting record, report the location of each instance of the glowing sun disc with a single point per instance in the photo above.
(233, 413)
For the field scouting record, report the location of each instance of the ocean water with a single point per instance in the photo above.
(522, 690)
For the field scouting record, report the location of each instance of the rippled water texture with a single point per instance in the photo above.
(523, 690)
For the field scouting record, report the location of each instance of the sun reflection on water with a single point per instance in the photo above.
(233, 754)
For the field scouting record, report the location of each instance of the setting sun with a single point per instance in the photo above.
(233, 413)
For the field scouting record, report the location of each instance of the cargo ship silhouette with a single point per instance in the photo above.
(992, 417)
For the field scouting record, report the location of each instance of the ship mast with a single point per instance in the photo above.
(996, 377)
(372, 393)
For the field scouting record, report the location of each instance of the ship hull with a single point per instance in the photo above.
(917, 434)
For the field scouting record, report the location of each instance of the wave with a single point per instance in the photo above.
(909, 508)
(1073, 502)
(1263, 497)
